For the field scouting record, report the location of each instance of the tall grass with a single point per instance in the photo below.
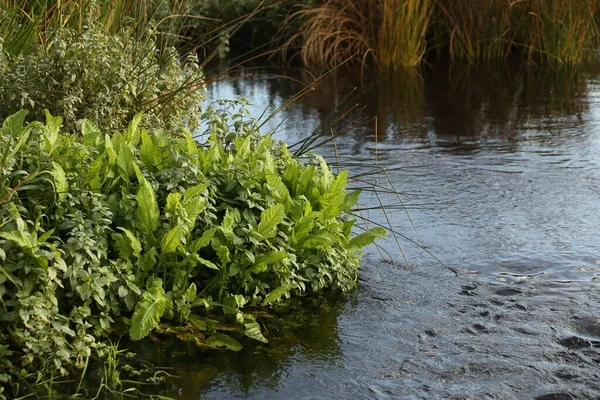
(403, 33)
(334, 32)
(401, 38)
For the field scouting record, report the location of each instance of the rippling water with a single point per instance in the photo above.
(499, 168)
(499, 178)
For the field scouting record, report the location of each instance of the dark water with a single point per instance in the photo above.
(499, 178)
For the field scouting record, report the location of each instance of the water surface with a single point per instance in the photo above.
(499, 177)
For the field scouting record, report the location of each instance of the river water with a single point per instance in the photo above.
(498, 175)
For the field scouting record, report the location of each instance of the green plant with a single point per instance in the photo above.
(158, 234)
(102, 77)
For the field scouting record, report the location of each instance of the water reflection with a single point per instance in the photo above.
(301, 338)
(507, 158)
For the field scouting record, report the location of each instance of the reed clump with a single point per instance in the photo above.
(390, 34)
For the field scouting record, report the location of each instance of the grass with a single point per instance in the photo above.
(392, 34)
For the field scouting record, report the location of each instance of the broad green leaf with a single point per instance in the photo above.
(271, 257)
(133, 131)
(303, 228)
(13, 127)
(173, 201)
(253, 331)
(60, 181)
(223, 254)
(110, 150)
(332, 201)
(147, 260)
(90, 132)
(147, 216)
(148, 310)
(125, 161)
(122, 245)
(92, 176)
(133, 241)
(147, 150)
(276, 294)
(171, 240)
(23, 238)
(51, 131)
(222, 340)
(45, 236)
(193, 208)
(194, 191)
(269, 219)
(366, 238)
(190, 293)
(202, 241)
(13, 124)
(350, 200)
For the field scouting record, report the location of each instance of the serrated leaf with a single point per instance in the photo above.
(148, 310)
(133, 241)
(171, 240)
(269, 219)
(190, 293)
(147, 217)
(60, 181)
(222, 340)
(366, 238)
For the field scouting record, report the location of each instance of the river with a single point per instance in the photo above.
(489, 288)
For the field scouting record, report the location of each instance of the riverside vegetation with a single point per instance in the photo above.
(114, 219)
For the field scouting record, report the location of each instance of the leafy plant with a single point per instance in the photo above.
(160, 235)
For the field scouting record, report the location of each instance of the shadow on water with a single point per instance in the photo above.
(499, 169)
(301, 334)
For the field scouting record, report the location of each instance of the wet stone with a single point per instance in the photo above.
(508, 292)
(575, 342)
